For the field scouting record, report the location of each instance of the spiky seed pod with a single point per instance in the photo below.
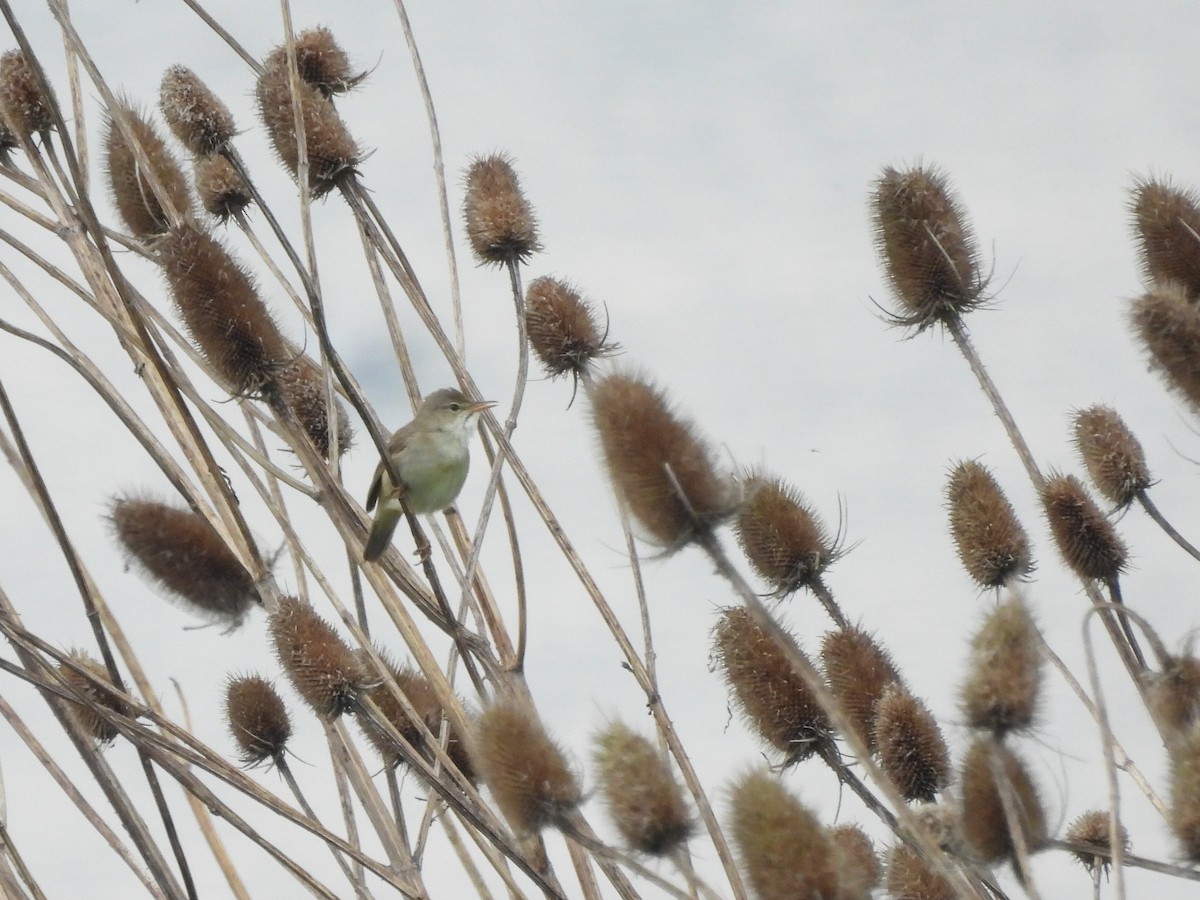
(1113, 456)
(320, 62)
(86, 714)
(1093, 829)
(1087, 540)
(772, 696)
(660, 467)
(786, 543)
(858, 670)
(990, 767)
(910, 877)
(562, 328)
(8, 140)
(181, 551)
(1166, 222)
(1002, 690)
(332, 152)
(1184, 817)
(911, 748)
(26, 110)
(644, 799)
(1174, 695)
(222, 191)
(257, 718)
(1167, 325)
(195, 115)
(991, 543)
(139, 206)
(524, 769)
(220, 307)
(785, 851)
(500, 222)
(926, 245)
(299, 386)
(859, 870)
(323, 670)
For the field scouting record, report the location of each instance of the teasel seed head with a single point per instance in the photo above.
(299, 386)
(1166, 222)
(1113, 456)
(772, 696)
(1093, 829)
(332, 153)
(257, 719)
(911, 748)
(195, 115)
(562, 329)
(985, 826)
(323, 670)
(859, 870)
(8, 140)
(1174, 695)
(1168, 326)
(222, 191)
(926, 246)
(26, 110)
(139, 206)
(662, 470)
(787, 545)
(643, 797)
(86, 714)
(221, 309)
(320, 62)
(180, 551)
(1184, 811)
(525, 770)
(785, 851)
(858, 671)
(1087, 540)
(500, 222)
(911, 877)
(1002, 690)
(991, 543)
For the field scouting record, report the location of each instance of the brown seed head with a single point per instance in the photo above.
(94, 697)
(661, 469)
(1113, 457)
(1184, 810)
(858, 671)
(180, 551)
(644, 800)
(323, 670)
(989, 768)
(911, 749)
(1168, 327)
(786, 543)
(1174, 695)
(195, 115)
(1092, 829)
(1002, 690)
(772, 696)
(140, 208)
(257, 718)
(26, 110)
(1087, 540)
(524, 769)
(910, 877)
(926, 246)
(299, 387)
(221, 189)
(1166, 222)
(320, 62)
(562, 329)
(500, 222)
(991, 543)
(859, 870)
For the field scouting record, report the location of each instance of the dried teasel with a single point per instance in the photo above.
(1184, 808)
(786, 543)
(320, 62)
(8, 141)
(299, 388)
(785, 851)
(94, 697)
(1174, 695)
(257, 718)
(858, 671)
(1113, 456)
(1087, 540)
(323, 670)
(500, 222)
(926, 246)
(25, 108)
(1094, 829)
(562, 329)
(912, 751)
(142, 209)
(186, 556)
(988, 769)
(1002, 690)
(661, 469)
(992, 545)
(1166, 223)
(911, 877)
(859, 869)
(222, 190)
(772, 696)
(1168, 327)
(195, 115)
(643, 798)
(524, 769)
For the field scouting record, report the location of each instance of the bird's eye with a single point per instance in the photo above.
(455, 407)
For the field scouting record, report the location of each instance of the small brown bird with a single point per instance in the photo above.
(431, 457)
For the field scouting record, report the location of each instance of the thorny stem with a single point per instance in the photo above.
(1153, 511)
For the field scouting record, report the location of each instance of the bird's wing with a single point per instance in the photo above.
(395, 444)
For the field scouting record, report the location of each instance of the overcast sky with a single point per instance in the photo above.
(701, 171)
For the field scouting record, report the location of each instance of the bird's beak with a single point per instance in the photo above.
(480, 406)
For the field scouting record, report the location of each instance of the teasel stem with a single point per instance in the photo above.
(821, 592)
(355, 878)
(1114, 593)
(1188, 873)
(1152, 510)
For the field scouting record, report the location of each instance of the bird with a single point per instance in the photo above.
(431, 456)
